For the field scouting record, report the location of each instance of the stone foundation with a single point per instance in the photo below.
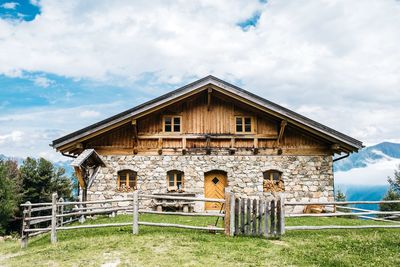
(306, 178)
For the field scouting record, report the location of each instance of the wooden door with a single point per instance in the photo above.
(214, 187)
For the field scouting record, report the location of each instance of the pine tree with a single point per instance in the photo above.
(40, 179)
(340, 196)
(8, 194)
(393, 193)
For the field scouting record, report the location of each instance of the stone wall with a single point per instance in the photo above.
(305, 177)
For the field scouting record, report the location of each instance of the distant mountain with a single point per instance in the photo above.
(363, 192)
(369, 155)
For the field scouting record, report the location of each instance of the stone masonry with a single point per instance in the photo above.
(306, 178)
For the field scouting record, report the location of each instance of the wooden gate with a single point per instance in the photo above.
(263, 218)
(214, 187)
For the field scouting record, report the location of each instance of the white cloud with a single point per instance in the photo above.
(374, 174)
(10, 5)
(89, 114)
(335, 61)
(14, 136)
(34, 129)
(43, 81)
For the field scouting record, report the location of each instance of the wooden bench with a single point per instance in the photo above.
(161, 204)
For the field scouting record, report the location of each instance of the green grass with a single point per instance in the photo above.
(156, 246)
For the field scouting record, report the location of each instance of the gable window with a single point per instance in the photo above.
(175, 180)
(127, 180)
(172, 124)
(273, 181)
(244, 125)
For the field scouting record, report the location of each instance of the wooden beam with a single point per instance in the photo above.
(281, 132)
(209, 99)
(135, 136)
(204, 136)
(160, 145)
(80, 177)
(335, 147)
(255, 145)
(184, 149)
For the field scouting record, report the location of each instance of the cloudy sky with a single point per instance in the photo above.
(66, 64)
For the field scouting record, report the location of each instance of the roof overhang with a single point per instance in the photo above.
(233, 91)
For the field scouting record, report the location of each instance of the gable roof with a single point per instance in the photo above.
(86, 154)
(226, 88)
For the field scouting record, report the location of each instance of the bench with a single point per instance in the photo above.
(161, 204)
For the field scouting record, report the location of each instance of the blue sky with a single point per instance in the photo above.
(66, 64)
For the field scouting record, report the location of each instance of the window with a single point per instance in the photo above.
(243, 125)
(172, 124)
(175, 180)
(273, 181)
(127, 180)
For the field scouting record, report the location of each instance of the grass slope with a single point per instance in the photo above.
(156, 246)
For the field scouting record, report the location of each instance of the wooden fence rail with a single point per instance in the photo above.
(353, 212)
(242, 216)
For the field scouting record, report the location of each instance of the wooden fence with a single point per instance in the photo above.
(263, 218)
(242, 216)
(337, 206)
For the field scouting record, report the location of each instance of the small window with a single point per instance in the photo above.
(127, 180)
(175, 181)
(273, 181)
(243, 125)
(172, 124)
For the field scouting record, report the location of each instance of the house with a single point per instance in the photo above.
(202, 138)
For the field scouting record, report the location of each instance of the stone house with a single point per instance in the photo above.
(202, 138)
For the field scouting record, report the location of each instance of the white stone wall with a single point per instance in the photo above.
(305, 177)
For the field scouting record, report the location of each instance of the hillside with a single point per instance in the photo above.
(369, 155)
(178, 247)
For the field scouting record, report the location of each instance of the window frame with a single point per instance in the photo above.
(174, 188)
(172, 124)
(123, 186)
(243, 120)
(275, 186)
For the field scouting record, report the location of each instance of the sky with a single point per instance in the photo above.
(67, 64)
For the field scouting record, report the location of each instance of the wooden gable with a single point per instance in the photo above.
(208, 114)
(207, 122)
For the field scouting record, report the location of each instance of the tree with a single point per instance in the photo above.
(8, 193)
(340, 196)
(40, 179)
(393, 193)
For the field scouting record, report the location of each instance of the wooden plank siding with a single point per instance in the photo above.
(200, 119)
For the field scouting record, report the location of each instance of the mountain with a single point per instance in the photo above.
(363, 192)
(371, 166)
(369, 155)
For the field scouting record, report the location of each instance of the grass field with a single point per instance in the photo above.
(156, 246)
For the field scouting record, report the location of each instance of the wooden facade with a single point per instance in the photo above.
(208, 122)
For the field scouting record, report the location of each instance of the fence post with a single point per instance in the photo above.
(282, 214)
(54, 218)
(237, 215)
(135, 225)
(232, 215)
(25, 225)
(227, 219)
(272, 227)
(61, 212)
(82, 217)
(266, 219)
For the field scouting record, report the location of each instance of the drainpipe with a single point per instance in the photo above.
(342, 157)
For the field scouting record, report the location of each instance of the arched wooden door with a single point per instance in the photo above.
(214, 187)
